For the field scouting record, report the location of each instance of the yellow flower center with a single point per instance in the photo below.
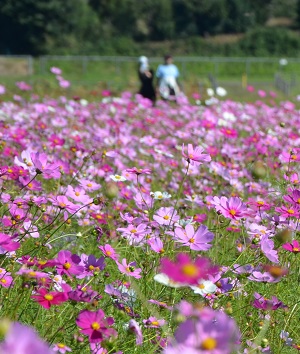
(293, 157)
(291, 211)
(190, 270)
(155, 323)
(133, 231)
(62, 205)
(166, 217)
(77, 194)
(209, 344)
(48, 297)
(61, 345)
(3, 281)
(67, 265)
(91, 267)
(191, 240)
(232, 212)
(95, 325)
(260, 202)
(89, 185)
(295, 249)
(201, 286)
(32, 274)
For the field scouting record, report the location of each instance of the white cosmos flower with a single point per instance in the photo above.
(220, 91)
(117, 178)
(165, 280)
(204, 287)
(159, 195)
(210, 92)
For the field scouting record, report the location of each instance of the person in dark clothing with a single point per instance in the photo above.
(146, 76)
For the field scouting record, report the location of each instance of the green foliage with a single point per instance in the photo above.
(126, 27)
(270, 42)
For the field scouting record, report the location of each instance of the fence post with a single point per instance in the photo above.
(30, 65)
(84, 64)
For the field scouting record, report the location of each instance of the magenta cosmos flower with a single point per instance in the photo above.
(7, 244)
(95, 325)
(48, 299)
(67, 263)
(186, 271)
(208, 332)
(166, 216)
(294, 246)
(197, 241)
(195, 156)
(263, 303)
(232, 208)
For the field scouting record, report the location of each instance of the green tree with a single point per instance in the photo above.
(25, 25)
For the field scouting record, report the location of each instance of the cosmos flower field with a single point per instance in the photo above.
(127, 228)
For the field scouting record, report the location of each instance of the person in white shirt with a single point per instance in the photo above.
(167, 75)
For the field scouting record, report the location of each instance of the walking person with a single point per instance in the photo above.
(167, 75)
(146, 76)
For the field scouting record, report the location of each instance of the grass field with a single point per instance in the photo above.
(118, 76)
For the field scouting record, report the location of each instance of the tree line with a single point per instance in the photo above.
(121, 26)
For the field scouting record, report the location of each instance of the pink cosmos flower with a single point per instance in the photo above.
(48, 170)
(133, 232)
(186, 271)
(21, 339)
(129, 269)
(6, 279)
(288, 211)
(230, 133)
(47, 299)
(135, 328)
(153, 322)
(156, 244)
(197, 241)
(61, 348)
(195, 156)
(63, 203)
(2, 90)
(110, 252)
(56, 140)
(232, 208)
(56, 71)
(78, 194)
(89, 185)
(208, 331)
(23, 86)
(264, 277)
(138, 171)
(166, 216)
(7, 244)
(267, 247)
(294, 246)
(95, 325)
(293, 198)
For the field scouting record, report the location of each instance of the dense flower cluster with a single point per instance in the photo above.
(113, 211)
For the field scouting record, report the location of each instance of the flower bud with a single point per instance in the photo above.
(111, 190)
